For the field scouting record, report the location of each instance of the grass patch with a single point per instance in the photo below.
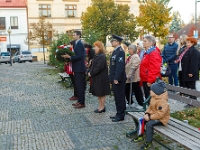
(192, 115)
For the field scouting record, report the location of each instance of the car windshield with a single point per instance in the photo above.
(26, 52)
(5, 54)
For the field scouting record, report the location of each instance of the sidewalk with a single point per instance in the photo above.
(36, 114)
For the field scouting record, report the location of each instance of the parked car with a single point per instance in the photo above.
(23, 56)
(5, 57)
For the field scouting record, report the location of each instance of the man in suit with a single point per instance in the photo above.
(78, 67)
(117, 78)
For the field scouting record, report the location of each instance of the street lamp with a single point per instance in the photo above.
(9, 31)
(196, 31)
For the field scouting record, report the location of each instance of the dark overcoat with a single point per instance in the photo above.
(99, 74)
(189, 64)
(78, 60)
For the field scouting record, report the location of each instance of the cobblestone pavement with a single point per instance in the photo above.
(36, 114)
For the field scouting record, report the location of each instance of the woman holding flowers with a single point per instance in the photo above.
(99, 73)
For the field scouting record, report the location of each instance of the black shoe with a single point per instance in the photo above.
(116, 119)
(146, 146)
(100, 111)
(113, 117)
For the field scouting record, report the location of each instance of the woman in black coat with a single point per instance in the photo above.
(99, 74)
(183, 38)
(189, 63)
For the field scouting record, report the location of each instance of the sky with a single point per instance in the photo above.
(185, 7)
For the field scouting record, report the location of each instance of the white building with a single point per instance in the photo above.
(13, 15)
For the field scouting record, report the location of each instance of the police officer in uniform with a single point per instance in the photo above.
(117, 78)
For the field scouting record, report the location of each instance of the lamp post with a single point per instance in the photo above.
(196, 31)
(9, 31)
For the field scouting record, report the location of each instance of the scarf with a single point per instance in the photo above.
(181, 56)
(128, 59)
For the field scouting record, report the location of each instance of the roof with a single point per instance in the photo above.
(188, 29)
(13, 3)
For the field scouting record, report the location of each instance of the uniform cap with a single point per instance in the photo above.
(116, 38)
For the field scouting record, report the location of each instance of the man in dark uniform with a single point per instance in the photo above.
(117, 78)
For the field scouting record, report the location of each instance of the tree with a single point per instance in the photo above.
(40, 33)
(104, 17)
(154, 17)
(176, 23)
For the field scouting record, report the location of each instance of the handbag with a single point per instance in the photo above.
(165, 70)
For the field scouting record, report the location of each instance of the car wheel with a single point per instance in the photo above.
(30, 61)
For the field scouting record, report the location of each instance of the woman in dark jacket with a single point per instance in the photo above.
(99, 74)
(183, 38)
(189, 62)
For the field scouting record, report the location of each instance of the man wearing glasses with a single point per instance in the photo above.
(169, 55)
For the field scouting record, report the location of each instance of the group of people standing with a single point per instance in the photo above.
(183, 59)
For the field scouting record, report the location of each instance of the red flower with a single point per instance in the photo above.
(70, 49)
(65, 45)
(199, 128)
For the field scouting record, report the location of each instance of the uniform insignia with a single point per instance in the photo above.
(113, 57)
(160, 107)
(120, 59)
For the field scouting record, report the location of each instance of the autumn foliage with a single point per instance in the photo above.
(104, 17)
(154, 17)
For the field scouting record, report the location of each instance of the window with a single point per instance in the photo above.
(45, 10)
(2, 23)
(14, 22)
(70, 11)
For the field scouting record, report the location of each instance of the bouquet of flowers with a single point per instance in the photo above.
(62, 50)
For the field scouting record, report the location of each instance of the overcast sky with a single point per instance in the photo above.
(186, 8)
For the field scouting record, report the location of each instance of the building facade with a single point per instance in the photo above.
(13, 15)
(64, 15)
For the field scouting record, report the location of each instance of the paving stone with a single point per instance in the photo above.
(3, 115)
(46, 140)
(15, 127)
(36, 114)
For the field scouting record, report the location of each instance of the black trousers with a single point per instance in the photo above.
(136, 89)
(146, 89)
(180, 78)
(80, 85)
(74, 84)
(191, 85)
(119, 94)
(149, 129)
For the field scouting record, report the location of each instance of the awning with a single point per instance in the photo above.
(13, 46)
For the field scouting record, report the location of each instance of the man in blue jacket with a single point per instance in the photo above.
(78, 67)
(169, 56)
(117, 78)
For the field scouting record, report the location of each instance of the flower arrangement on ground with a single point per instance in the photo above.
(62, 50)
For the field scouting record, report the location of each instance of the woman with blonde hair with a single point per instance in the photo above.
(189, 64)
(99, 73)
(183, 39)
